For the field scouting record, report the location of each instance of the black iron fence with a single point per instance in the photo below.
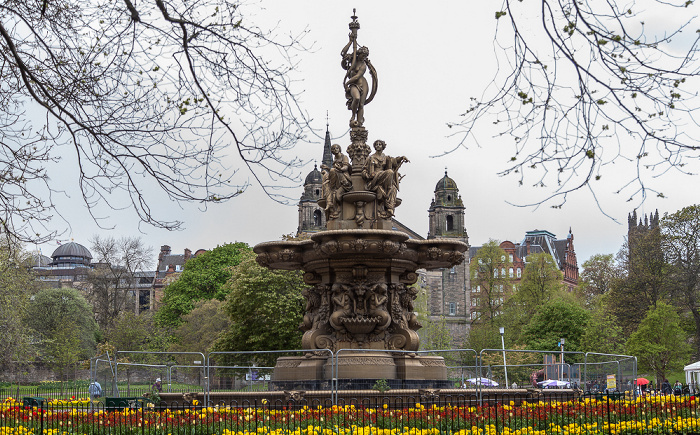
(420, 413)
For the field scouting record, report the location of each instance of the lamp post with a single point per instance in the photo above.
(561, 344)
(502, 330)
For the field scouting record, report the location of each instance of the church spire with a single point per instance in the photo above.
(327, 156)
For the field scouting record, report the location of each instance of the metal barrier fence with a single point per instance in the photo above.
(444, 414)
(132, 374)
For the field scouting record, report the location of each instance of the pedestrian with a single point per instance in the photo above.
(95, 390)
(666, 387)
(158, 386)
(678, 388)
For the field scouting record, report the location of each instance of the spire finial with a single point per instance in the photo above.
(327, 120)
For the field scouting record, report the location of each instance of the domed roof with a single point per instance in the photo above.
(446, 183)
(314, 177)
(72, 249)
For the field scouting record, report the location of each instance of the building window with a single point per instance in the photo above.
(479, 262)
(317, 218)
(519, 272)
(503, 272)
(503, 258)
(449, 223)
(510, 257)
(453, 308)
(510, 272)
(475, 315)
(495, 273)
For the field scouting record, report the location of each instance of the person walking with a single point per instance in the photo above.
(158, 386)
(95, 390)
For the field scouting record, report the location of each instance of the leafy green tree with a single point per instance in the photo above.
(201, 327)
(140, 95)
(204, 277)
(603, 334)
(493, 286)
(558, 318)
(134, 332)
(541, 282)
(64, 324)
(681, 241)
(597, 277)
(266, 308)
(435, 334)
(17, 285)
(483, 336)
(660, 344)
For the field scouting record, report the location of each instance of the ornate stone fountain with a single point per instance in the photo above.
(360, 270)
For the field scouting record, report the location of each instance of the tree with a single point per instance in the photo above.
(201, 327)
(645, 279)
(557, 319)
(202, 278)
(659, 343)
(266, 308)
(133, 332)
(65, 328)
(603, 334)
(488, 269)
(17, 285)
(588, 84)
(681, 242)
(136, 95)
(597, 277)
(435, 334)
(114, 281)
(542, 280)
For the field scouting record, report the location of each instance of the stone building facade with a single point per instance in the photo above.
(448, 298)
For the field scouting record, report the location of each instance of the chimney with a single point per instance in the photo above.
(164, 250)
(527, 246)
(188, 254)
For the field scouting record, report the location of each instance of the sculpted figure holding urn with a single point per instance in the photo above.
(336, 181)
(382, 177)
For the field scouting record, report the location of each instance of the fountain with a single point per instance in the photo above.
(360, 270)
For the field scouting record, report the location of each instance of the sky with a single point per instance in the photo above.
(430, 59)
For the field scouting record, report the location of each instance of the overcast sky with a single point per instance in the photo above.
(430, 60)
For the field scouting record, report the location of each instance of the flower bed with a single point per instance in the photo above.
(661, 414)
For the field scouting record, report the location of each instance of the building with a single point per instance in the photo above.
(510, 271)
(312, 217)
(69, 263)
(448, 298)
(169, 265)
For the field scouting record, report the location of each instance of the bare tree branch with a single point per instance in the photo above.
(587, 85)
(138, 96)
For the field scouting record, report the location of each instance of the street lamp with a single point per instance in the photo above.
(561, 344)
(502, 330)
